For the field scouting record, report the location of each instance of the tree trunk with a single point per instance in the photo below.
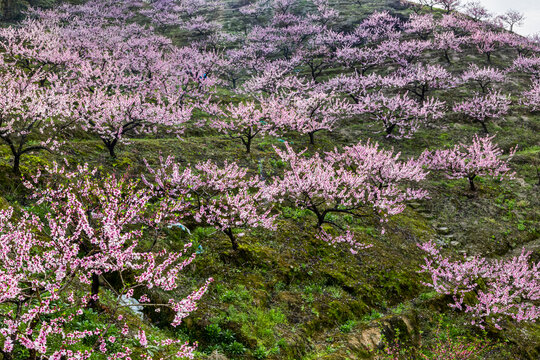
(312, 138)
(484, 127)
(483, 87)
(389, 129)
(94, 291)
(247, 141)
(32, 354)
(234, 242)
(320, 220)
(423, 95)
(17, 164)
(447, 57)
(471, 183)
(110, 146)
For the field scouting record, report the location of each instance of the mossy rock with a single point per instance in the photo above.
(390, 329)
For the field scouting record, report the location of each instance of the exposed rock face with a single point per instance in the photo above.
(217, 356)
(371, 338)
(387, 329)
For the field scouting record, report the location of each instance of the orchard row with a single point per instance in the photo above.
(93, 69)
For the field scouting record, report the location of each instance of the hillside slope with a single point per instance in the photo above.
(286, 294)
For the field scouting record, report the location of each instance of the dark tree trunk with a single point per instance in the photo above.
(17, 164)
(94, 291)
(447, 57)
(312, 138)
(247, 141)
(471, 183)
(32, 354)
(230, 234)
(484, 126)
(320, 220)
(483, 87)
(423, 95)
(111, 144)
(389, 129)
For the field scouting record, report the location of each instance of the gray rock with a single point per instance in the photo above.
(443, 230)
(133, 304)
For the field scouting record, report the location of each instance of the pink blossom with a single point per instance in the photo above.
(480, 158)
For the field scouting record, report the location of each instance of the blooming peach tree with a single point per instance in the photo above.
(57, 266)
(480, 158)
(225, 197)
(500, 289)
(484, 107)
(360, 179)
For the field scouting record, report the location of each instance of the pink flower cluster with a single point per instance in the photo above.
(480, 158)
(52, 266)
(500, 288)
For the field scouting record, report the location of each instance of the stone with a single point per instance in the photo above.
(133, 304)
(215, 355)
(415, 205)
(371, 338)
(443, 230)
(388, 327)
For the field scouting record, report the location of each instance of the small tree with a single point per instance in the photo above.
(31, 115)
(400, 115)
(447, 41)
(429, 3)
(513, 18)
(315, 110)
(377, 27)
(449, 5)
(485, 107)
(477, 11)
(359, 179)
(88, 229)
(225, 197)
(317, 53)
(483, 77)
(420, 79)
(527, 65)
(403, 52)
(360, 60)
(531, 97)
(355, 86)
(422, 25)
(245, 121)
(486, 42)
(510, 287)
(481, 158)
